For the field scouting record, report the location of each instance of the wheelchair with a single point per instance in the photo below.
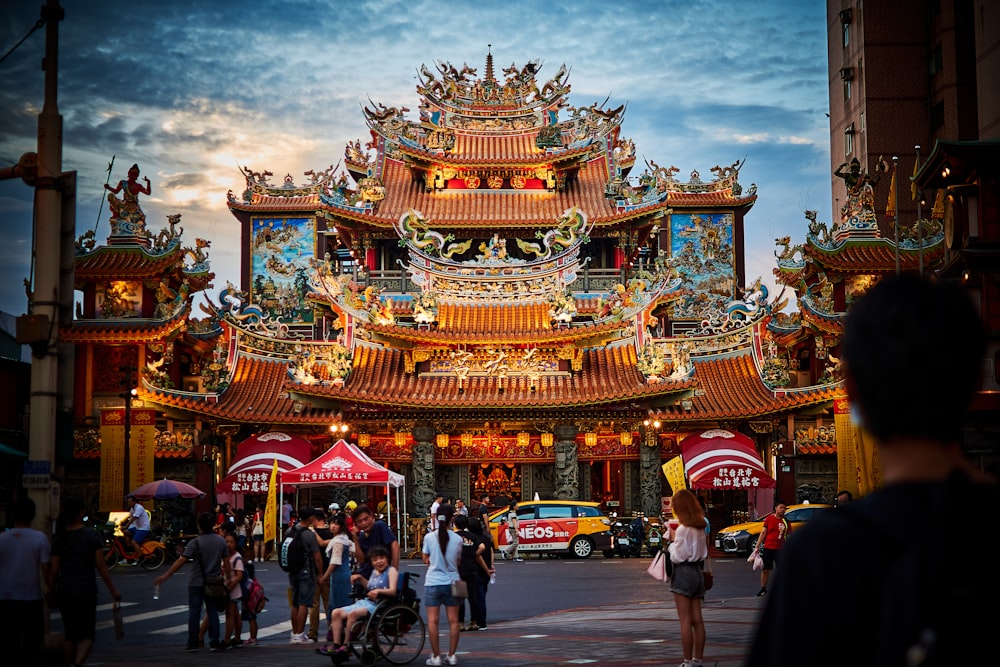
(393, 632)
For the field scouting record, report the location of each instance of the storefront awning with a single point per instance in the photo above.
(255, 457)
(723, 460)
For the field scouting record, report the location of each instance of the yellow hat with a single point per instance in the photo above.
(350, 505)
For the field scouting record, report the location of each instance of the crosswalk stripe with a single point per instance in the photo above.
(101, 607)
(262, 631)
(134, 618)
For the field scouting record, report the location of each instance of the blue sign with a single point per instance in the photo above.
(37, 468)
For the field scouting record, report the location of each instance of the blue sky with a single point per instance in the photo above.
(191, 90)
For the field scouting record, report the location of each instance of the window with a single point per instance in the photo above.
(936, 62)
(847, 34)
(847, 90)
(845, 25)
(555, 512)
(862, 121)
(849, 140)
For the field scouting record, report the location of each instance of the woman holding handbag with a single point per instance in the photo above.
(442, 551)
(688, 551)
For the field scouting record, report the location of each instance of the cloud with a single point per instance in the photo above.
(193, 90)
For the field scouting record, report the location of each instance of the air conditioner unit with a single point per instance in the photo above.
(846, 16)
(847, 73)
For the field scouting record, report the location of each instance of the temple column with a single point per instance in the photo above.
(650, 488)
(567, 471)
(423, 470)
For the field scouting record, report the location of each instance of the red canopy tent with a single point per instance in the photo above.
(723, 460)
(255, 458)
(344, 464)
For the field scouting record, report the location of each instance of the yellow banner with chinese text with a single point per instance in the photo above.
(858, 468)
(112, 459)
(142, 449)
(673, 470)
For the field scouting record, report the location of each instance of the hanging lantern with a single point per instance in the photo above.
(364, 440)
(546, 439)
(442, 440)
(626, 437)
(467, 440)
(401, 438)
(523, 439)
(590, 439)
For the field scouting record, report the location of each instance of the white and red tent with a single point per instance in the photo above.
(255, 457)
(723, 460)
(344, 464)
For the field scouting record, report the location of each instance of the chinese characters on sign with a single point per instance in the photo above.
(735, 478)
(333, 476)
(251, 481)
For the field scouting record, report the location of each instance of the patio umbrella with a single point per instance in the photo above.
(164, 489)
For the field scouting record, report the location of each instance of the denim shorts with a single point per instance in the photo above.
(303, 587)
(435, 596)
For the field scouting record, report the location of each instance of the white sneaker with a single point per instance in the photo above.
(451, 659)
(300, 639)
(434, 660)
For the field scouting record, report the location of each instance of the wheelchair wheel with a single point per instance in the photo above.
(369, 657)
(400, 634)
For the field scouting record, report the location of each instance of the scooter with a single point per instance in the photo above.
(654, 539)
(626, 538)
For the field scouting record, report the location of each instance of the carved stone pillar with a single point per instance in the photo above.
(650, 488)
(423, 470)
(567, 471)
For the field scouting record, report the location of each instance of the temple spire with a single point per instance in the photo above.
(489, 63)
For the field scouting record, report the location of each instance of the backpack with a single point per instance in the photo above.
(254, 598)
(248, 576)
(292, 556)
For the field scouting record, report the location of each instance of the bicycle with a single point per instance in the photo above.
(152, 555)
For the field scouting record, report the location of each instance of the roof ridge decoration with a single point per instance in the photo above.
(320, 182)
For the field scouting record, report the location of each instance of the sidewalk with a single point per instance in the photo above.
(625, 635)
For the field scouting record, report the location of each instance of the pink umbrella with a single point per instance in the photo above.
(164, 489)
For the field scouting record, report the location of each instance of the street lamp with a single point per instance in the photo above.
(128, 396)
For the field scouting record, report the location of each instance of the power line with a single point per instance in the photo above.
(38, 24)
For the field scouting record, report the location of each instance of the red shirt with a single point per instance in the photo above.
(775, 531)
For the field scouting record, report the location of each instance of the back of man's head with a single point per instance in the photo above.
(461, 522)
(206, 522)
(22, 511)
(912, 350)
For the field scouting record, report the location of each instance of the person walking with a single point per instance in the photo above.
(366, 533)
(473, 547)
(234, 582)
(688, 551)
(76, 552)
(486, 571)
(209, 551)
(913, 355)
(302, 582)
(432, 512)
(512, 535)
(770, 541)
(442, 553)
(257, 534)
(24, 554)
(321, 598)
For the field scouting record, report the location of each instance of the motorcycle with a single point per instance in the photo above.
(654, 539)
(626, 538)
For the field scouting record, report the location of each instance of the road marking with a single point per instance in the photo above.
(101, 607)
(146, 616)
(262, 631)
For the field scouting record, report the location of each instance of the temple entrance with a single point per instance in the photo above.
(500, 481)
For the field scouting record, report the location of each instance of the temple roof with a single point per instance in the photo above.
(256, 394)
(608, 375)
(730, 388)
(125, 262)
(129, 330)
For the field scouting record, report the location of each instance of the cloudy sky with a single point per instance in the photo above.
(191, 90)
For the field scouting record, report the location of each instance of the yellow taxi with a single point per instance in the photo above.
(741, 538)
(564, 527)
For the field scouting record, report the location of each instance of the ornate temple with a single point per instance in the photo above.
(487, 298)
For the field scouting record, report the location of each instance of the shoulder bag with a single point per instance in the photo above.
(658, 569)
(459, 589)
(214, 587)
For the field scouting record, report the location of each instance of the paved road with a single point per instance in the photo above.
(550, 612)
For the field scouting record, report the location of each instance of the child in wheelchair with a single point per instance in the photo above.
(382, 584)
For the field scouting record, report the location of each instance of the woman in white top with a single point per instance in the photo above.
(442, 551)
(688, 551)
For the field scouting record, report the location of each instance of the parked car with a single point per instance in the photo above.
(564, 527)
(741, 538)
